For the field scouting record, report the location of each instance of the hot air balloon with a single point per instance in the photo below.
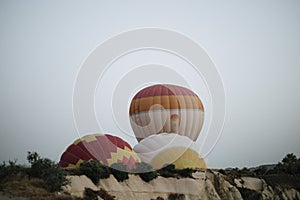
(106, 148)
(161, 149)
(165, 108)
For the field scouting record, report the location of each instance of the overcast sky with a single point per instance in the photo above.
(254, 44)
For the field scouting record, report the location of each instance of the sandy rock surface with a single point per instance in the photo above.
(209, 185)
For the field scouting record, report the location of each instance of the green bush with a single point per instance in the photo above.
(40, 168)
(185, 173)
(55, 178)
(260, 171)
(169, 167)
(176, 197)
(119, 171)
(3, 171)
(222, 171)
(12, 168)
(248, 194)
(90, 194)
(94, 170)
(33, 157)
(148, 176)
(47, 170)
(167, 171)
(290, 164)
(145, 171)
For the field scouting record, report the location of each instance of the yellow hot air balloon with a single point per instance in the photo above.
(161, 149)
(166, 108)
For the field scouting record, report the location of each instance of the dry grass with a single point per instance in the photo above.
(22, 186)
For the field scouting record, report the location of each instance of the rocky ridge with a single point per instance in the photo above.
(204, 185)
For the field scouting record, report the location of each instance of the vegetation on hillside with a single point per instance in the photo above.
(290, 165)
(285, 173)
(94, 170)
(40, 180)
(45, 177)
(47, 170)
(145, 171)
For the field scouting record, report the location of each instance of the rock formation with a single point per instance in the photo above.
(204, 185)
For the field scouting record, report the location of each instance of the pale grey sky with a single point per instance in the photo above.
(254, 44)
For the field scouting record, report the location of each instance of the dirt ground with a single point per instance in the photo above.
(4, 197)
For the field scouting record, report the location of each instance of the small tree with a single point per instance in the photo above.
(222, 171)
(43, 168)
(176, 197)
(289, 164)
(94, 170)
(40, 167)
(119, 171)
(10, 169)
(185, 173)
(3, 171)
(55, 178)
(290, 158)
(145, 171)
(33, 157)
(167, 171)
(90, 194)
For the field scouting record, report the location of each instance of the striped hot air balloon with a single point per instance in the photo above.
(165, 108)
(106, 148)
(161, 149)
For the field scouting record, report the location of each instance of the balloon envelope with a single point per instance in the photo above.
(106, 148)
(161, 149)
(165, 108)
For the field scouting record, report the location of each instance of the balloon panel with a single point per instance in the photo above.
(187, 122)
(107, 149)
(181, 157)
(167, 148)
(168, 102)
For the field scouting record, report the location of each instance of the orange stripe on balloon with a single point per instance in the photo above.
(168, 102)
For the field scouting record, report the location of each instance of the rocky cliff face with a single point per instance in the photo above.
(203, 185)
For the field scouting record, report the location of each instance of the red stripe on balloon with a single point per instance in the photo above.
(163, 90)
